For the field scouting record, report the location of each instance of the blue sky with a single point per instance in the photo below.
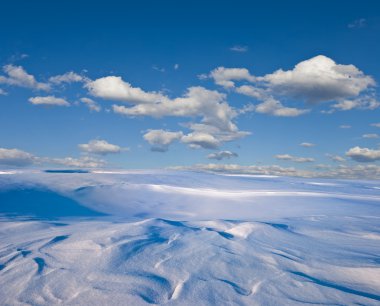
(224, 86)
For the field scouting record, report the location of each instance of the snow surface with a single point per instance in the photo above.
(187, 238)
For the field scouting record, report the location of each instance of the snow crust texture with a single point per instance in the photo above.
(183, 238)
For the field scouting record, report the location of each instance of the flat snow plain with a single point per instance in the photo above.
(187, 238)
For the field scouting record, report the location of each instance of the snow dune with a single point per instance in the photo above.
(183, 238)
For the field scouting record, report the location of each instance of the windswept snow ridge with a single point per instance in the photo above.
(183, 238)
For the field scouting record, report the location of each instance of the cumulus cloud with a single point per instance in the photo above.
(319, 79)
(17, 76)
(276, 108)
(91, 104)
(101, 147)
(16, 157)
(49, 100)
(294, 158)
(216, 116)
(226, 76)
(114, 88)
(3, 92)
(359, 103)
(68, 77)
(161, 139)
(307, 144)
(198, 140)
(240, 49)
(211, 105)
(363, 155)
(222, 155)
(376, 124)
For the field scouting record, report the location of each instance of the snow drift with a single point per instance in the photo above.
(185, 238)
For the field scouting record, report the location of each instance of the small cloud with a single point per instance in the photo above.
(203, 76)
(49, 100)
(363, 155)
(17, 76)
(307, 144)
(238, 48)
(222, 155)
(176, 66)
(68, 77)
(345, 126)
(3, 92)
(100, 147)
(375, 124)
(294, 158)
(160, 140)
(159, 69)
(370, 136)
(82, 162)
(16, 157)
(358, 23)
(336, 158)
(91, 104)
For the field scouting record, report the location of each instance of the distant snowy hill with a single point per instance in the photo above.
(187, 238)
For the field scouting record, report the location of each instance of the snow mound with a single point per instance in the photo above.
(177, 238)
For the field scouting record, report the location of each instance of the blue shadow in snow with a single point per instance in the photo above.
(42, 204)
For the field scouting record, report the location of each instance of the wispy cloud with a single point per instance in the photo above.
(239, 48)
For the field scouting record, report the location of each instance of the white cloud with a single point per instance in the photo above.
(318, 79)
(16, 157)
(345, 126)
(370, 136)
(101, 147)
(203, 136)
(376, 124)
(3, 92)
(197, 102)
(363, 155)
(198, 140)
(240, 49)
(223, 135)
(294, 158)
(114, 88)
(307, 144)
(68, 77)
(82, 162)
(222, 155)
(19, 158)
(226, 76)
(340, 171)
(275, 108)
(252, 91)
(91, 104)
(49, 100)
(176, 66)
(315, 80)
(336, 158)
(161, 139)
(17, 76)
(359, 103)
